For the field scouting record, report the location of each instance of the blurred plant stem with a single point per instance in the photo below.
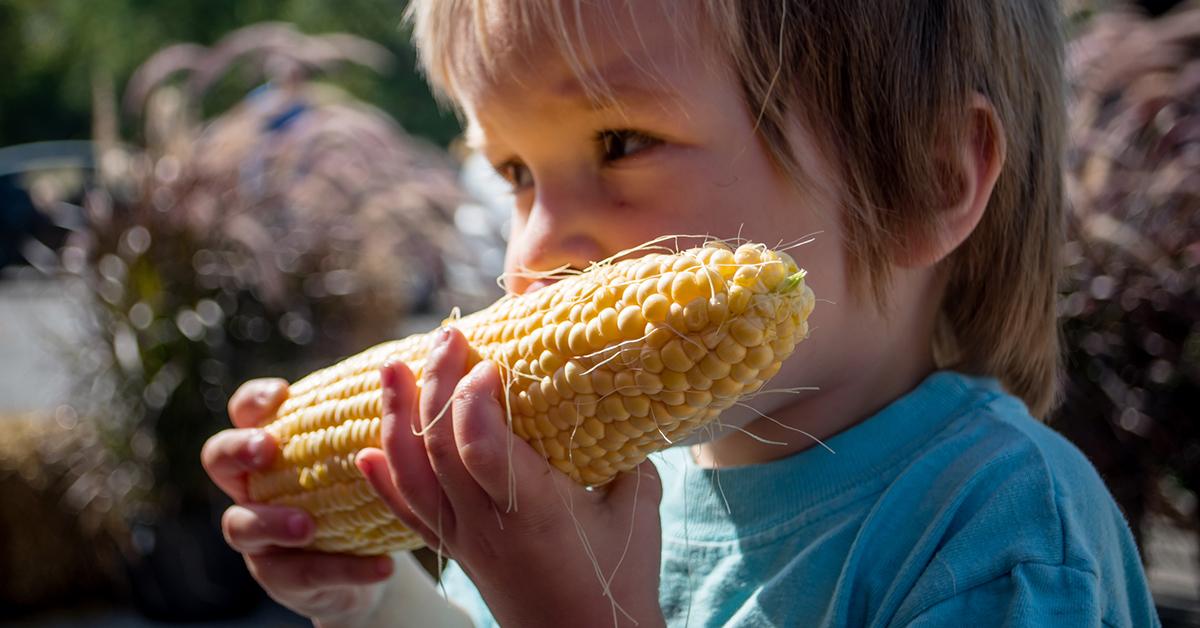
(105, 124)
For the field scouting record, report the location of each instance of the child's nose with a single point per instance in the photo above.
(563, 228)
(547, 249)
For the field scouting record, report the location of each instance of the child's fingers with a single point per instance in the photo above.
(228, 455)
(256, 401)
(483, 437)
(444, 367)
(255, 528)
(409, 466)
(293, 571)
(443, 373)
(496, 459)
(374, 466)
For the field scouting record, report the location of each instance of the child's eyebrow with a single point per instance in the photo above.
(615, 85)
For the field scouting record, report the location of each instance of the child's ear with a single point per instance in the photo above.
(972, 168)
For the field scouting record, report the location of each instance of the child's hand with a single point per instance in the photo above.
(326, 587)
(530, 563)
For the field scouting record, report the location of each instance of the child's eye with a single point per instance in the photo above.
(517, 175)
(619, 143)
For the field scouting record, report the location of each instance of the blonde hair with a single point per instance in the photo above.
(886, 87)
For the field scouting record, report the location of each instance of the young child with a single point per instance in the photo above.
(919, 144)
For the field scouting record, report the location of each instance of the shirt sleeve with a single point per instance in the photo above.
(1031, 594)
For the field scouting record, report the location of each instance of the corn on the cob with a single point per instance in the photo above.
(601, 369)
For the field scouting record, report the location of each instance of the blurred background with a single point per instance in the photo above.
(193, 194)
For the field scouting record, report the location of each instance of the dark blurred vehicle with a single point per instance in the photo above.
(20, 217)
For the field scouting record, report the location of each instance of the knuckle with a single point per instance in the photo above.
(479, 455)
(431, 403)
(430, 383)
(440, 445)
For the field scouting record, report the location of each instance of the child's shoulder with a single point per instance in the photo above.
(1011, 505)
(992, 444)
(994, 455)
(986, 474)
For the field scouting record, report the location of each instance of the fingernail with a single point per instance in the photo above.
(386, 376)
(437, 346)
(383, 566)
(265, 395)
(297, 525)
(364, 466)
(258, 448)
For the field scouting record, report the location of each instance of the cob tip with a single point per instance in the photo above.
(790, 282)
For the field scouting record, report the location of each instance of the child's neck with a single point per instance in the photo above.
(822, 414)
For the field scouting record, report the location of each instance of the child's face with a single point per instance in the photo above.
(680, 157)
(677, 155)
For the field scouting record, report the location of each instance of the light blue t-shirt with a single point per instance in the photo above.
(950, 507)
